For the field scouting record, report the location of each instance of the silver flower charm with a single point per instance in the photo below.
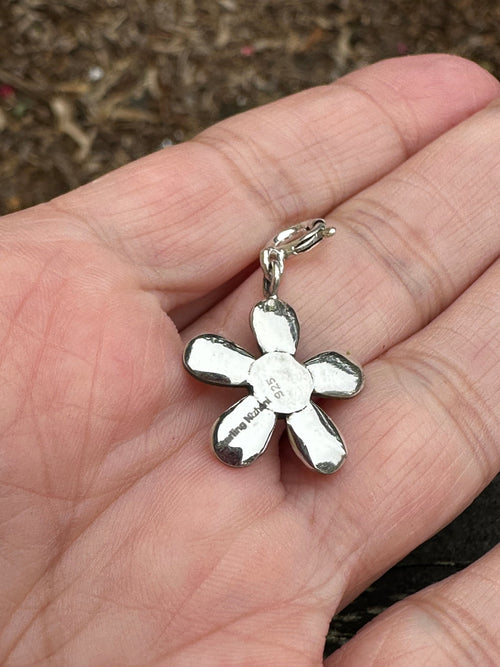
(279, 386)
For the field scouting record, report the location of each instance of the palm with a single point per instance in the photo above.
(125, 542)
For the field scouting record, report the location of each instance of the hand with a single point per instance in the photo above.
(124, 542)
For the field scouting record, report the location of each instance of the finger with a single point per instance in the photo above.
(194, 215)
(454, 622)
(422, 437)
(405, 248)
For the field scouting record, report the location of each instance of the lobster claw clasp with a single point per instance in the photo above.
(302, 237)
(292, 241)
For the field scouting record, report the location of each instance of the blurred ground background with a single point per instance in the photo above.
(88, 85)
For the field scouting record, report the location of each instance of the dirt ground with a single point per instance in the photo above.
(88, 85)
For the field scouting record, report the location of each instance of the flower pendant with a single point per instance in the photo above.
(279, 386)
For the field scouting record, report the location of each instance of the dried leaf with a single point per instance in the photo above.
(151, 82)
(132, 115)
(63, 112)
(229, 5)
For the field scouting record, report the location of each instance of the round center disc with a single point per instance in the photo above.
(280, 382)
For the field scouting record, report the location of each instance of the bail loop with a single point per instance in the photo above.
(272, 261)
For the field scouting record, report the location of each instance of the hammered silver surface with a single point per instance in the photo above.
(214, 359)
(275, 325)
(241, 434)
(278, 378)
(334, 375)
(316, 440)
(279, 386)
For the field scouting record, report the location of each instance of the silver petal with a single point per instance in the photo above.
(334, 375)
(315, 439)
(275, 325)
(242, 433)
(216, 360)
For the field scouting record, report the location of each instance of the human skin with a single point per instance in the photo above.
(123, 541)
